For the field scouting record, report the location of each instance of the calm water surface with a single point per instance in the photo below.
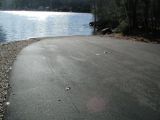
(20, 25)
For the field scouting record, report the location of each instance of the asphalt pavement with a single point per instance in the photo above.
(86, 78)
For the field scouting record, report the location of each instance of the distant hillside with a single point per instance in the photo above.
(6, 4)
(55, 5)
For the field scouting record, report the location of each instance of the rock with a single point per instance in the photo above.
(92, 24)
(68, 88)
(106, 30)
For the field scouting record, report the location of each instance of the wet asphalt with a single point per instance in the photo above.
(86, 78)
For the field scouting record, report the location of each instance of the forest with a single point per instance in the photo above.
(129, 16)
(52, 5)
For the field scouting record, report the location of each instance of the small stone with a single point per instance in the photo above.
(1, 116)
(106, 52)
(98, 54)
(68, 88)
(10, 68)
(7, 103)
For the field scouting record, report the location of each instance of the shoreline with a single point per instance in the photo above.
(8, 53)
(133, 38)
(45, 11)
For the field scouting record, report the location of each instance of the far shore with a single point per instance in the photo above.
(46, 11)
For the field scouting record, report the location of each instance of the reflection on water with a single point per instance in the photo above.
(19, 25)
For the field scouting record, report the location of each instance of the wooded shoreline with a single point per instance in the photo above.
(130, 17)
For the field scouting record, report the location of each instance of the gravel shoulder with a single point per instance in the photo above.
(8, 53)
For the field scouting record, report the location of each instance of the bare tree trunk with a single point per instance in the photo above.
(135, 2)
(146, 14)
(95, 14)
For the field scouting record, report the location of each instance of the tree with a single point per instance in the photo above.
(62, 5)
(136, 15)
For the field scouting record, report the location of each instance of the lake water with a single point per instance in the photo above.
(20, 25)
